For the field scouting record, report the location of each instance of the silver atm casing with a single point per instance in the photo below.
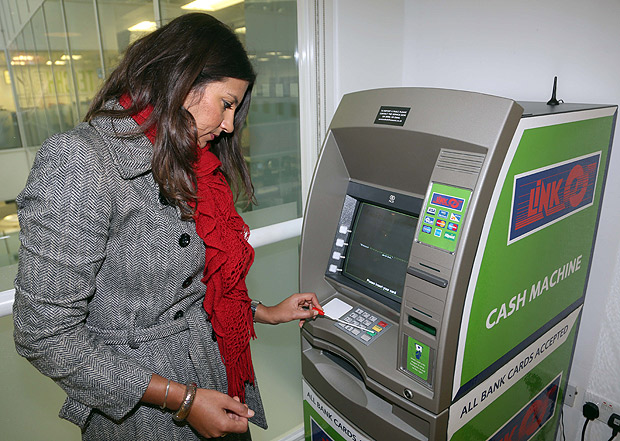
(452, 137)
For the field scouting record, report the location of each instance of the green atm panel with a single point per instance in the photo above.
(444, 213)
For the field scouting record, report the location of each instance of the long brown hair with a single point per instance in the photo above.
(160, 70)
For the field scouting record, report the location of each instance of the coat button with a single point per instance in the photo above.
(184, 240)
(163, 200)
(178, 315)
(187, 282)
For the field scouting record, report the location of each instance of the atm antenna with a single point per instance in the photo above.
(553, 101)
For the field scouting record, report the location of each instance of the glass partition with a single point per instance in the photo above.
(273, 144)
(83, 56)
(59, 60)
(270, 138)
(20, 78)
(61, 82)
(23, 9)
(9, 234)
(32, 98)
(11, 17)
(58, 54)
(45, 81)
(122, 23)
(9, 131)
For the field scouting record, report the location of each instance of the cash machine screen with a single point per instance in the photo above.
(371, 248)
(379, 247)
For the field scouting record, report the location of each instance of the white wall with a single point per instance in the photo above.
(368, 46)
(511, 49)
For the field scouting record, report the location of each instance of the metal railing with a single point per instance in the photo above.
(258, 237)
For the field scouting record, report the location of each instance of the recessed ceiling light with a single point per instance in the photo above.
(211, 5)
(143, 26)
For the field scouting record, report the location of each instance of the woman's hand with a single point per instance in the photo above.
(212, 413)
(215, 414)
(296, 307)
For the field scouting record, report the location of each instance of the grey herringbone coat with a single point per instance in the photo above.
(108, 289)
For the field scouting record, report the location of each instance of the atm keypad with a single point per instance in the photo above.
(361, 317)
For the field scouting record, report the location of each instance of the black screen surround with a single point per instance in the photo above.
(380, 227)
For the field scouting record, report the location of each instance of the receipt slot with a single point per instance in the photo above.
(451, 234)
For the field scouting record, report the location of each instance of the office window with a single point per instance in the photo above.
(9, 234)
(83, 56)
(61, 86)
(59, 61)
(44, 80)
(10, 16)
(28, 60)
(23, 10)
(122, 22)
(271, 136)
(21, 62)
(9, 131)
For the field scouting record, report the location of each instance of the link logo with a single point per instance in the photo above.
(529, 420)
(450, 202)
(547, 195)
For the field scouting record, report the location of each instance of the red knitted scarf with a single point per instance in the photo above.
(228, 257)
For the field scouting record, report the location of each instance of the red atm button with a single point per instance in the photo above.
(382, 324)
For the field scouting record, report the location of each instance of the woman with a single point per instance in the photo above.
(130, 292)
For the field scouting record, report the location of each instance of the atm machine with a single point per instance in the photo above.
(450, 234)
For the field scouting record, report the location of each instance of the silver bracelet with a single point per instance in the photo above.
(253, 306)
(190, 394)
(163, 406)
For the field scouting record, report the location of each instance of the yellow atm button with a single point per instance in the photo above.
(377, 328)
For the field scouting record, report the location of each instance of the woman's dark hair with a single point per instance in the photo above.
(160, 70)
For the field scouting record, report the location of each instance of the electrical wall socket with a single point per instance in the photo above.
(571, 394)
(605, 407)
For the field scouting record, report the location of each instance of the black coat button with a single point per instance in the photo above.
(184, 240)
(187, 282)
(178, 315)
(163, 200)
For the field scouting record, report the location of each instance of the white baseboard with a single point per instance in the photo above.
(6, 302)
(296, 435)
